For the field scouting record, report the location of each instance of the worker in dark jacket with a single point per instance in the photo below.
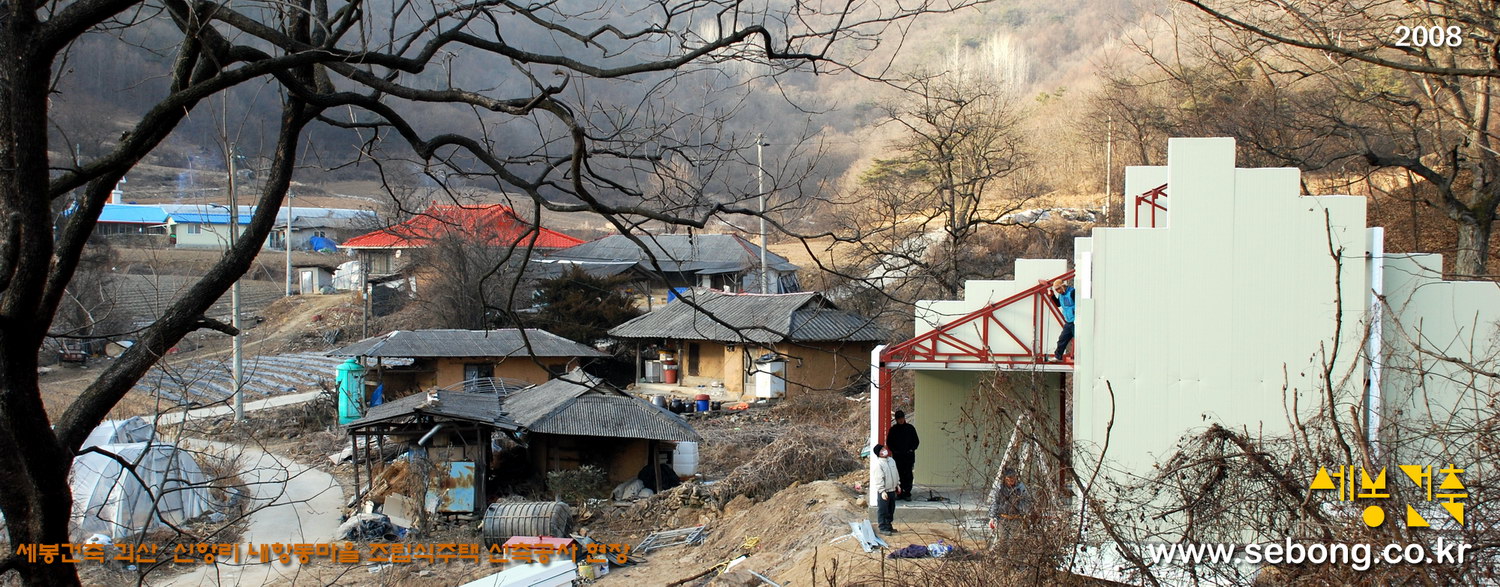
(902, 440)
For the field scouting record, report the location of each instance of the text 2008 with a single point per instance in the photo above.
(1429, 36)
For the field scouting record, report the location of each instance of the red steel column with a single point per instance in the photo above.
(885, 402)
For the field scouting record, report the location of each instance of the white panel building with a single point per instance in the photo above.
(1226, 314)
(1243, 306)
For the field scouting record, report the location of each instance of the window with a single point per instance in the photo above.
(194, 229)
(477, 370)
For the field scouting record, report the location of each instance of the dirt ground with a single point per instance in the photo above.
(793, 535)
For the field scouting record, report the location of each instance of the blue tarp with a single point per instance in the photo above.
(322, 244)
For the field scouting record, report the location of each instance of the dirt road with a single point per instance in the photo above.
(291, 503)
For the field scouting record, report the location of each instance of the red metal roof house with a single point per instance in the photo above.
(496, 225)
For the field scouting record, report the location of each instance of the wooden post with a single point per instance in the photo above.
(1065, 431)
(380, 454)
(355, 439)
(482, 471)
(654, 461)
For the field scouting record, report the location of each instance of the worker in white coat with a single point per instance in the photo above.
(887, 483)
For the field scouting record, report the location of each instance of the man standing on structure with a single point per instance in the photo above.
(902, 440)
(1062, 293)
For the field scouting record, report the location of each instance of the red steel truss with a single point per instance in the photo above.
(941, 346)
(934, 346)
(1150, 198)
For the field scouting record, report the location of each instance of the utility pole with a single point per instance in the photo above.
(364, 292)
(760, 186)
(287, 242)
(234, 298)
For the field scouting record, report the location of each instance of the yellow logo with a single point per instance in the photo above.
(1343, 481)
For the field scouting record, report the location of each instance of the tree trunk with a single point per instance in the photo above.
(1472, 258)
(36, 501)
(37, 507)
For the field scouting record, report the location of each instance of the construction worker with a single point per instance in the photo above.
(1012, 504)
(1062, 293)
(902, 440)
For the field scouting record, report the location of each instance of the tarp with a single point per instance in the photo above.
(322, 244)
(134, 429)
(347, 276)
(166, 485)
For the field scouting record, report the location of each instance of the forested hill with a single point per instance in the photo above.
(1035, 49)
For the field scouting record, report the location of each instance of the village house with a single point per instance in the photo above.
(133, 225)
(753, 344)
(388, 250)
(313, 229)
(563, 424)
(407, 361)
(450, 432)
(579, 419)
(319, 229)
(673, 261)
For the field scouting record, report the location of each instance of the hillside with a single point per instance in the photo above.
(1034, 50)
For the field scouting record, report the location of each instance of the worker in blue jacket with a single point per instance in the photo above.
(1062, 293)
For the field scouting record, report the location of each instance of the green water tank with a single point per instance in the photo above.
(351, 384)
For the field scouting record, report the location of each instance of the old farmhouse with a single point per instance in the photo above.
(757, 344)
(406, 361)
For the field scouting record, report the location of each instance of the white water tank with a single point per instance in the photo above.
(685, 459)
(769, 380)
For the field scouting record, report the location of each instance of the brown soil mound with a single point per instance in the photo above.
(785, 530)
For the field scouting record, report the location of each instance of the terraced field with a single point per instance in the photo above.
(208, 381)
(144, 297)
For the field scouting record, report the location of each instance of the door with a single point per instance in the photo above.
(692, 359)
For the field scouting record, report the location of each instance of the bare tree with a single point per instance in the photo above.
(958, 154)
(467, 283)
(548, 131)
(1377, 83)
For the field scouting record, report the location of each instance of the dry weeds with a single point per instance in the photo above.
(801, 454)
